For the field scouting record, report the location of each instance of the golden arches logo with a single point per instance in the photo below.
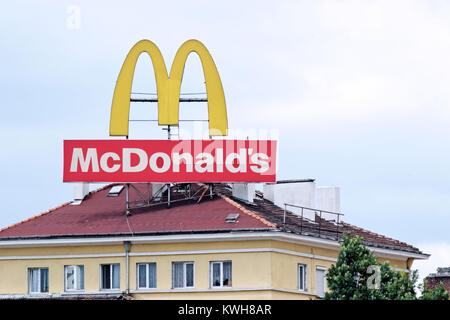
(168, 88)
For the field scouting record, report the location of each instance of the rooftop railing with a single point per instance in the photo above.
(315, 221)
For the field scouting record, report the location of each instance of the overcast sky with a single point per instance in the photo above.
(356, 92)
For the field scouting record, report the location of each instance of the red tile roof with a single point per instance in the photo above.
(99, 214)
(325, 229)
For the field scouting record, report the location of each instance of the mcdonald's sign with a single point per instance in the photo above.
(169, 160)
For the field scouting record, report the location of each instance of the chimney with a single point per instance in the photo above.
(157, 190)
(304, 193)
(244, 191)
(80, 190)
(328, 199)
(295, 192)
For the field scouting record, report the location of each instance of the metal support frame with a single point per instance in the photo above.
(156, 100)
(183, 192)
(168, 195)
(317, 213)
(127, 211)
(150, 200)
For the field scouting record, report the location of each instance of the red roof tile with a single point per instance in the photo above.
(100, 214)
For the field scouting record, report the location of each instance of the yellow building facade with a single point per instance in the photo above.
(263, 266)
(215, 247)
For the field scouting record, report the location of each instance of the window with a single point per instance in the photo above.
(320, 281)
(220, 274)
(115, 191)
(74, 278)
(182, 274)
(232, 217)
(302, 277)
(146, 275)
(110, 276)
(37, 280)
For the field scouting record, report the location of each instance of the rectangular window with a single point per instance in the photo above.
(182, 274)
(110, 276)
(220, 274)
(302, 277)
(320, 281)
(74, 278)
(38, 280)
(146, 275)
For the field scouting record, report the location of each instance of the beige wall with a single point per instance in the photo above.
(255, 275)
(394, 262)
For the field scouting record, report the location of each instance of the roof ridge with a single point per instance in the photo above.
(51, 210)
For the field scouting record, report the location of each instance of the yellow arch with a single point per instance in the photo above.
(120, 109)
(168, 88)
(217, 112)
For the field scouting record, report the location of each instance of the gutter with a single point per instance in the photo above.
(127, 245)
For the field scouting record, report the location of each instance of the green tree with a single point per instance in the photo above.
(346, 280)
(438, 293)
(358, 275)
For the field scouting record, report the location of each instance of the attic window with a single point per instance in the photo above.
(232, 217)
(115, 191)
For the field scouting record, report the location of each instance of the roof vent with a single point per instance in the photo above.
(232, 217)
(115, 191)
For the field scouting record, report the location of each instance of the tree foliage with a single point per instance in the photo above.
(438, 293)
(358, 275)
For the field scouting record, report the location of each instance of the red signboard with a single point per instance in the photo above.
(169, 160)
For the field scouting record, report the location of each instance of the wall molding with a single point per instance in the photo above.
(169, 253)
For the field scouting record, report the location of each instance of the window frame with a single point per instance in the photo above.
(303, 266)
(29, 270)
(185, 263)
(147, 274)
(211, 274)
(111, 277)
(324, 269)
(76, 275)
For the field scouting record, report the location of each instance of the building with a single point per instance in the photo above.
(185, 241)
(434, 279)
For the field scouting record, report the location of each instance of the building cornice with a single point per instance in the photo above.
(203, 237)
